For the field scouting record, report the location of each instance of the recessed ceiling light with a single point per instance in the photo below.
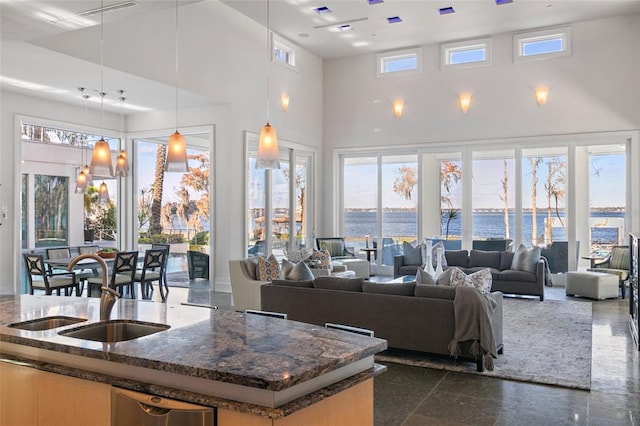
(447, 10)
(394, 19)
(345, 27)
(499, 2)
(303, 35)
(360, 44)
(322, 9)
(376, 1)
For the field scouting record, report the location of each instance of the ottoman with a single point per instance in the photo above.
(359, 266)
(595, 285)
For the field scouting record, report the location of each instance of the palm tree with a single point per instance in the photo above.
(155, 224)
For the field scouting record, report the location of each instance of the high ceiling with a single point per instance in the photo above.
(421, 23)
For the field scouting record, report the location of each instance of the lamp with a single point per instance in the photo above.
(268, 143)
(81, 179)
(103, 193)
(122, 161)
(284, 101)
(542, 93)
(464, 100)
(398, 107)
(177, 152)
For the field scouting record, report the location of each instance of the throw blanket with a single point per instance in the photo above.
(472, 312)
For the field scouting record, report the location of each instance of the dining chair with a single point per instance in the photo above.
(153, 268)
(41, 279)
(122, 273)
(93, 249)
(65, 253)
(168, 248)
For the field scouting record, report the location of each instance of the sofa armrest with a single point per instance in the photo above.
(244, 290)
(497, 318)
(541, 277)
(398, 261)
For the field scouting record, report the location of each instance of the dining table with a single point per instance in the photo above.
(82, 264)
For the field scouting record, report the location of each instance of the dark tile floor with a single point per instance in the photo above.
(409, 396)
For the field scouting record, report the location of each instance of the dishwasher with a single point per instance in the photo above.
(129, 408)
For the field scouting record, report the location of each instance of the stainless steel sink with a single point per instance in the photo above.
(46, 323)
(114, 330)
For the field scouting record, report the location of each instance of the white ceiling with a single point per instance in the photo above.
(25, 20)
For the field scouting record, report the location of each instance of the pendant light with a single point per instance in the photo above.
(122, 161)
(103, 193)
(101, 158)
(268, 143)
(81, 179)
(177, 151)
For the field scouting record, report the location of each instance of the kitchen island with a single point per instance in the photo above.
(249, 367)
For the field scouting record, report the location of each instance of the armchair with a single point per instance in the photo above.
(335, 246)
(245, 287)
(617, 263)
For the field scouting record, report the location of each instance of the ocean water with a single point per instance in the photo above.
(485, 225)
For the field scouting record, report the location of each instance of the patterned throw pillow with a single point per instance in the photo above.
(321, 259)
(526, 259)
(481, 279)
(297, 255)
(268, 269)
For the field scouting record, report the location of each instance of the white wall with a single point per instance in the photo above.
(596, 89)
(224, 59)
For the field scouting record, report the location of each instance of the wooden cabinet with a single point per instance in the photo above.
(634, 281)
(32, 397)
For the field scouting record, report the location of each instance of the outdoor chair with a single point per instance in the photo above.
(40, 279)
(122, 273)
(617, 263)
(153, 269)
(335, 246)
(198, 264)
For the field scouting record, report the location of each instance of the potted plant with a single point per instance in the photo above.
(107, 253)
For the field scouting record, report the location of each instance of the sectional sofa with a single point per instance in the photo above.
(409, 316)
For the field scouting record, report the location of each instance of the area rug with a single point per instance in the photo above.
(544, 342)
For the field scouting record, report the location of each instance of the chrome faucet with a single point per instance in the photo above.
(109, 295)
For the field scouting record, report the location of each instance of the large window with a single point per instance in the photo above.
(278, 198)
(451, 199)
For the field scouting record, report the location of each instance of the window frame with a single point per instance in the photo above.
(520, 39)
(447, 48)
(383, 58)
(277, 43)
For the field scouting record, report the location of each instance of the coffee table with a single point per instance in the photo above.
(403, 279)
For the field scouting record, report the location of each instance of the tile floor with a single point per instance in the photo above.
(409, 396)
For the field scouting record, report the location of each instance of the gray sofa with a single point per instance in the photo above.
(409, 316)
(505, 279)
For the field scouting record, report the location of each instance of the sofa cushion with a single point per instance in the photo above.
(292, 283)
(435, 291)
(480, 280)
(268, 269)
(513, 275)
(398, 289)
(526, 259)
(506, 259)
(408, 269)
(457, 258)
(412, 255)
(335, 283)
(488, 259)
(296, 271)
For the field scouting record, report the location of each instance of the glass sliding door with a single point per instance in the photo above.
(451, 200)
(493, 197)
(51, 210)
(399, 199)
(360, 202)
(544, 217)
(280, 212)
(607, 199)
(173, 208)
(301, 210)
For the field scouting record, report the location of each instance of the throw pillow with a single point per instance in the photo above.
(412, 255)
(321, 259)
(445, 277)
(286, 267)
(422, 277)
(299, 272)
(297, 255)
(480, 280)
(526, 259)
(268, 269)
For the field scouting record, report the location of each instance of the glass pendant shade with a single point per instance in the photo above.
(122, 164)
(101, 159)
(103, 193)
(81, 182)
(176, 154)
(268, 149)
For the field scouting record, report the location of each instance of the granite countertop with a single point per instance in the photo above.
(222, 346)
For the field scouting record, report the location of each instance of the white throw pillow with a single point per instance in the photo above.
(526, 259)
(481, 280)
(422, 277)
